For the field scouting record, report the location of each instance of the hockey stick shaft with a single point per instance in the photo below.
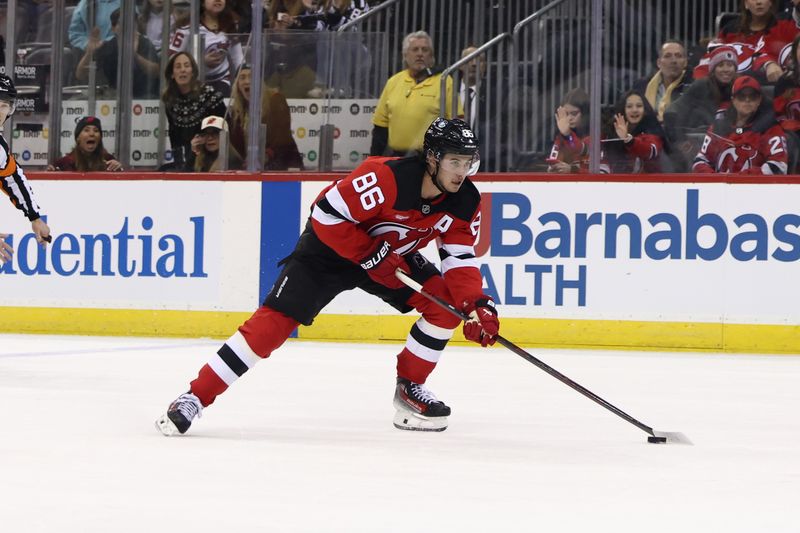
(402, 276)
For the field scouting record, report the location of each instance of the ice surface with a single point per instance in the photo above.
(304, 442)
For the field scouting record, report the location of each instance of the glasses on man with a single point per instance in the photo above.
(747, 96)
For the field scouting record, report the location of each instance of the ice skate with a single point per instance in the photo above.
(417, 408)
(179, 415)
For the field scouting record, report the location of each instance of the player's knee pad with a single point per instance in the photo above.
(433, 312)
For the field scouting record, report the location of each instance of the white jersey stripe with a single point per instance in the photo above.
(222, 369)
(423, 352)
(454, 262)
(324, 218)
(334, 198)
(458, 249)
(434, 331)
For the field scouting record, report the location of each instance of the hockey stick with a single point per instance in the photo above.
(655, 436)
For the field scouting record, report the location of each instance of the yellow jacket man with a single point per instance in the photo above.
(410, 100)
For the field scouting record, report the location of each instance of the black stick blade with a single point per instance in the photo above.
(670, 437)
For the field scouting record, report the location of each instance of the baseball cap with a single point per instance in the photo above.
(745, 82)
(213, 122)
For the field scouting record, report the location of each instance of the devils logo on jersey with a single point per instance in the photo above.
(740, 157)
(402, 238)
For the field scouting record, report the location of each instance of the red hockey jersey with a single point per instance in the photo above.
(380, 200)
(787, 108)
(754, 50)
(640, 155)
(743, 151)
(571, 149)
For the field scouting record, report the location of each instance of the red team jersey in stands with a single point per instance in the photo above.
(573, 150)
(787, 109)
(381, 200)
(744, 151)
(641, 155)
(754, 50)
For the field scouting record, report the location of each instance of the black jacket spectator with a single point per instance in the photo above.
(187, 103)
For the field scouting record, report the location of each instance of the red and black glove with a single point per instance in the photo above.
(483, 324)
(381, 264)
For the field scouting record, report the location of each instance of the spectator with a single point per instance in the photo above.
(243, 10)
(316, 15)
(671, 79)
(761, 40)
(487, 109)
(206, 144)
(281, 151)
(472, 76)
(222, 54)
(150, 21)
(410, 100)
(292, 56)
(106, 54)
(703, 102)
(787, 92)
(570, 152)
(789, 9)
(80, 27)
(637, 140)
(787, 105)
(187, 102)
(747, 139)
(340, 12)
(296, 15)
(343, 71)
(88, 154)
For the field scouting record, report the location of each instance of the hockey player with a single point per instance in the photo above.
(12, 178)
(361, 230)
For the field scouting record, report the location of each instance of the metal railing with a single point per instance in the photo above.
(488, 92)
(550, 51)
(564, 45)
(530, 135)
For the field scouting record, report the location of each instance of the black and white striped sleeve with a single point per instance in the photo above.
(457, 256)
(16, 185)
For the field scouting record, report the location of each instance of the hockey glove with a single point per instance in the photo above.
(483, 324)
(381, 264)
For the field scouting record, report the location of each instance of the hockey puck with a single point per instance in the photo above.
(656, 440)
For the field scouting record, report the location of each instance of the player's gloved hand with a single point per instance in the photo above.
(381, 264)
(483, 324)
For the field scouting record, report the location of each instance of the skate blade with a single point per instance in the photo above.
(166, 426)
(408, 421)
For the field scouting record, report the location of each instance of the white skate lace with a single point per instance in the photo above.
(422, 393)
(189, 406)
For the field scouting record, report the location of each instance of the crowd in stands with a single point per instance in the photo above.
(716, 116)
(741, 92)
